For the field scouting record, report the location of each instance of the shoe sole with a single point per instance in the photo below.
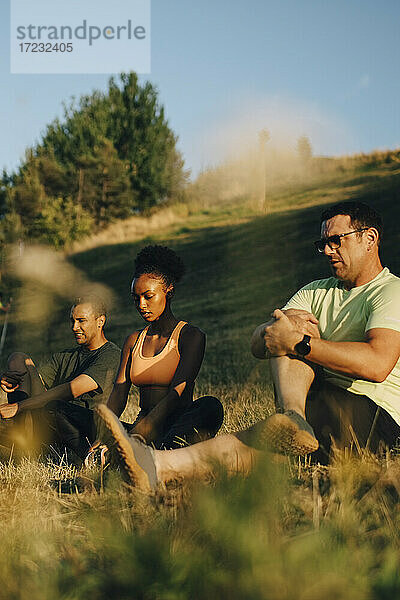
(282, 435)
(117, 441)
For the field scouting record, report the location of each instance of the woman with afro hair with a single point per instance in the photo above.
(163, 360)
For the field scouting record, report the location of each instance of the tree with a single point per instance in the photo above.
(29, 192)
(104, 184)
(142, 136)
(84, 123)
(61, 222)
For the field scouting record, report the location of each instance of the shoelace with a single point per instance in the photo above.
(94, 452)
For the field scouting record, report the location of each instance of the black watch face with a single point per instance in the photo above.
(303, 347)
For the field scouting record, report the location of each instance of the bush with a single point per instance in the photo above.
(61, 222)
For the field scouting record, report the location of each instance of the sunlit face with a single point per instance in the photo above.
(149, 293)
(348, 261)
(85, 326)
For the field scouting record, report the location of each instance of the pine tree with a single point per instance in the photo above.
(103, 184)
(142, 136)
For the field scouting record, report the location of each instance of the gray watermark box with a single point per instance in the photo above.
(85, 36)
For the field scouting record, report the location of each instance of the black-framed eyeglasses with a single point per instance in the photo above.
(334, 241)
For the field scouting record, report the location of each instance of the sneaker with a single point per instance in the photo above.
(96, 457)
(129, 452)
(289, 433)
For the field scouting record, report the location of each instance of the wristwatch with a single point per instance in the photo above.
(304, 347)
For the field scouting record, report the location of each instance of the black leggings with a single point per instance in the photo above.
(73, 427)
(198, 421)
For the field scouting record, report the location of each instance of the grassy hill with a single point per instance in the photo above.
(290, 531)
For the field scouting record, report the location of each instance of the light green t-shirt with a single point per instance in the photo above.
(345, 316)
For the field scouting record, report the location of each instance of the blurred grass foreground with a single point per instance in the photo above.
(290, 531)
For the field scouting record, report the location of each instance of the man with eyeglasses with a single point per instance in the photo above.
(334, 348)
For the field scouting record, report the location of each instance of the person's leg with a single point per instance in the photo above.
(284, 433)
(31, 383)
(199, 461)
(74, 427)
(287, 431)
(25, 425)
(198, 422)
(384, 431)
(292, 379)
(345, 420)
(144, 467)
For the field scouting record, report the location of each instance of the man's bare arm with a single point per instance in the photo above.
(372, 359)
(65, 391)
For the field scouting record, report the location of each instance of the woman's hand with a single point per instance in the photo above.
(7, 411)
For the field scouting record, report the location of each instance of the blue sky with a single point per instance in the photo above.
(226, 69)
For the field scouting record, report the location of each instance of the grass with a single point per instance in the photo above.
(289, 531)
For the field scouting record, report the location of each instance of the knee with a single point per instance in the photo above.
(213, 408)
(219, 412)
(18, 361)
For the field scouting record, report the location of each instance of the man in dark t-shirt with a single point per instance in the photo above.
(99, 364)
(57, 400)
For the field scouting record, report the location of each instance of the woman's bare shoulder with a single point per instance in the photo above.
(131, 339)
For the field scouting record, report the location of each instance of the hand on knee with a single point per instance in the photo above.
(303, 321)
